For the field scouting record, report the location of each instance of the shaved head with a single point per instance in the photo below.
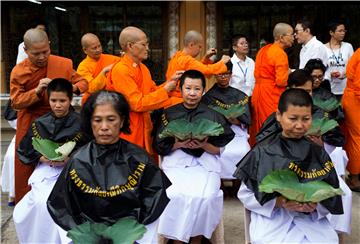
(87, 39)
(281, 29)
(192, 36)
(32, 36)
(130, 34)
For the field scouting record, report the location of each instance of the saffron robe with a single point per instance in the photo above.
(135, 83)
(103, 183)
(90, 69)
(271, 75)
(351, 106)
(237, 148)
(32, 221)
(24, 79)
(183, 61)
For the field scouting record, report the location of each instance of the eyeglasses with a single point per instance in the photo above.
(293, 35)
(297, 31)
(145, 44)
(317, 77)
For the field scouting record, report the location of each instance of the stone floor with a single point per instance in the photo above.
(233, 222)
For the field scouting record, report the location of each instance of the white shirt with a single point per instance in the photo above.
(21, 53)
(243, 74)
(337, 61)
(313, 49)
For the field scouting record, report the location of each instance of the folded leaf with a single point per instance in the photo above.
(327, 105)
(321, 126)
(124, 231)
(198, 129)
(52, 150)
(287, 184)
(234, 111)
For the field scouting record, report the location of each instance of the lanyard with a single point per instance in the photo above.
(242, 71)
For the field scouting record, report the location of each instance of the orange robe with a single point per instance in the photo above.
(135, 83)
(351, 106)
(183, 61)
(24, 79)
(271, 74)
(90, 69)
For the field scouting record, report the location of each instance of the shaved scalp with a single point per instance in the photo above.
(34, 35)
(192, 36)
(281, 29)
(86, 38)
(129, 34)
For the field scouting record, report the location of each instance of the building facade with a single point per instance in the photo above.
(165, 24)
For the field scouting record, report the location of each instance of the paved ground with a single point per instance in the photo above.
(233, 222)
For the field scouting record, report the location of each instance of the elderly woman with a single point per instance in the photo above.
(109, 178)
(193, 167)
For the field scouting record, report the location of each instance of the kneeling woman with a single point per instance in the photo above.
(289, 221)
(192, 166)
(109, 178)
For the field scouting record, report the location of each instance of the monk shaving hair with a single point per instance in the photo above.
(271, 74)
(95, 67)
(186, 59)
(288, 220)
(28, 82)
(132, 78)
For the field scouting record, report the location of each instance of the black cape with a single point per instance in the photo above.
(48, 126)
(218, 96)
(103, 183)
(308, 160)
(333, 137)
(163, 146)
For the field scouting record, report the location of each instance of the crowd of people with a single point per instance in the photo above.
(123, 166)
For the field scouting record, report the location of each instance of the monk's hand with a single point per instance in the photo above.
(43, 83)
(107, 69)
(170, 85)
(316, 139)
(211, 52)
(176, 76)
(225, 58)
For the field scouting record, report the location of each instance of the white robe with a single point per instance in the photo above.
(8, 171)
(342, 222)
(196, 201)
(233, 152)
(278, 225)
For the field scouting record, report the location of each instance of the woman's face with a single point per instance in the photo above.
(59, 103)
(106, 124)
(295, 121)
(192, 91)
(339, 33)
(317, 76)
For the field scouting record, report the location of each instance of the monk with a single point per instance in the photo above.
(186, 59)
(132, 78)
(351, 106)
(271, 74)
(28, 83)
(95, 67)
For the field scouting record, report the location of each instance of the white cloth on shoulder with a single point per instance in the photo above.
(196, 201)
(278, 225)
(233, 152)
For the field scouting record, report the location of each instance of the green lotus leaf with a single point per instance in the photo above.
(234, 111)
(52, 150)
(321, 126)
(327, 105)
(198, 129)
(179, 128)
(203, 128)
(124, 231)
(287, 184)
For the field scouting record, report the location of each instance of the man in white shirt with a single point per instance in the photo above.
(243, 66)
(311, 47)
